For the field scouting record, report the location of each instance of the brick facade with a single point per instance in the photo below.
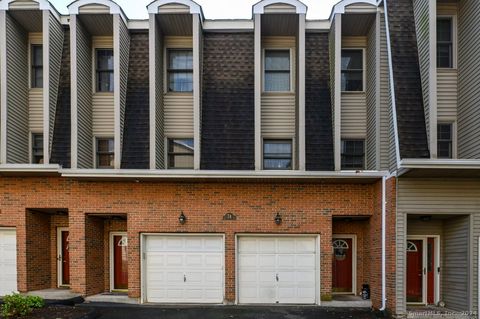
(306, 208)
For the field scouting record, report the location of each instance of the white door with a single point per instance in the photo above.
(277, 270)
(8, 261)
(184, 269)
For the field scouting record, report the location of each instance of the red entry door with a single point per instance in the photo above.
(414, 271)
(120, 264)
(431, 271)
(342, 265)
(65, 258)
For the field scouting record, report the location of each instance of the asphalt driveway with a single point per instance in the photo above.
(112, 311)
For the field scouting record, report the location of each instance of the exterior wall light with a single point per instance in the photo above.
(278, 219)
(182, 218)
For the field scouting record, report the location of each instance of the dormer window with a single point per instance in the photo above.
(277, 71)
(37, 66)
(445, 42)
(352, 70)
(104, 71)
(180, 70)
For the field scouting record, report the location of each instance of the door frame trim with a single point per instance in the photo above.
(143, 275)
(317, 261)
(353, 237)
(436, 288)
(60, 260)
(111, 258)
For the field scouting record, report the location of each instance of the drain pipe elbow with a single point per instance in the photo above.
(384, 217)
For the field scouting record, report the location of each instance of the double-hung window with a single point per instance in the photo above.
(104, 70)
(37, 148)
(277, 154)
(445, 140)
(353, 155)
(180, 153)
(445, 42)
(180, 70)
(105, 153)
(352, 70)
(37, 66)
(277, 76)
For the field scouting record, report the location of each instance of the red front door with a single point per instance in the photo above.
(342, 265)
(120, 264)
(65, 258)
(414, 271)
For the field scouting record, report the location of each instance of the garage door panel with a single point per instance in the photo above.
(266, 245)
(8, 261)
(305, 261)
(266, 261)
(305, 245)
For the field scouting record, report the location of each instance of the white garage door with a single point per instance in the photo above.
(277, 270)
(8, 261)
(184, 269)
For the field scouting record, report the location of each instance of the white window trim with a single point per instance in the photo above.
(453, 123)
(111, 259)
(95, 138)
(364, 70)
(280, 138)
(453, 17)
(292, 69)
(165, 67)
(59, 260)
(165, 146)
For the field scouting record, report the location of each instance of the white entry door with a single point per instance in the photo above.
(184, 269)
(277, 270)
(8, 261)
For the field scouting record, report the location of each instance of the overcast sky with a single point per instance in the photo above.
(213, 9)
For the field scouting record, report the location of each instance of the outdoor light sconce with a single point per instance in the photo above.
(278, 219)
(182, 218)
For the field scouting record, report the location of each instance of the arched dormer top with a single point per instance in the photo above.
(259, 8)
(340, 7)
(41, 5)
(194, 7)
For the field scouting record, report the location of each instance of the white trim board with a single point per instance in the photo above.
(60, 259)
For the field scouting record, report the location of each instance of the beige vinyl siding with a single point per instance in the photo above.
(24, 5)
(278, 109)
(354, 115)
(354, 42)
(401, 263)
(280, 8)
(84, 99)
(174, 8)
(94, 9)
(159, 108)
(17, 93)
(416, 227)
(385, 102)
(103, 122)
(102, 42)
(124, 55)
(35, 110)
(56, 36)
(445, 8)
(371, 100)
(178, 42)
(331, 51)
(178, 108)
(447, 80)
(468, 79)
(421, 13)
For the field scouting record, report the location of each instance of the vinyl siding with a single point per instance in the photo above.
(178, 108)
(354, 42)
(331, 49)
(159, 111)
(385, 100)
(416, 227)
(421, 12)
(124, 54)
(371, 100)
(468, 79)
(17, 93)
(103, 122)
(354, 115)
(35, 110)
(401, 263)
(360, 8)
(84, 98)
(94, 8)
(56, 36)
(447, 80)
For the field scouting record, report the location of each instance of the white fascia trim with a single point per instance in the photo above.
(138, 24)
(73, 8)
(340, 7)
(42, 4)
(195, 8)
(317, 25)
(228, 25)
(440, 163)
(175, 174)
(259, 7)
(33, 168)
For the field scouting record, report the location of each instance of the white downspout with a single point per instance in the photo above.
(384, 217)
(478, 279)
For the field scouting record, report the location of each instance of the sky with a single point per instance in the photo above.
(213, 9)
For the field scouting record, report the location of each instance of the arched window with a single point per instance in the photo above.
(411, 247)
(123, 242)
(340, 248)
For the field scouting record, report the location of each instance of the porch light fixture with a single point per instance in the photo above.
(426, 218)
(182, 218)
(278, 219)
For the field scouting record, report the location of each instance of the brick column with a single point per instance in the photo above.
(76, 228)
(326, 260)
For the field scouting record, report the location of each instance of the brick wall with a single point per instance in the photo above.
(306, 208)
(37, 250)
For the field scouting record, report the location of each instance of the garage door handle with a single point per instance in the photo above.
(184, 278)
(276, 277)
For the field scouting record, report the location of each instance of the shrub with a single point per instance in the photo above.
(16, 305)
